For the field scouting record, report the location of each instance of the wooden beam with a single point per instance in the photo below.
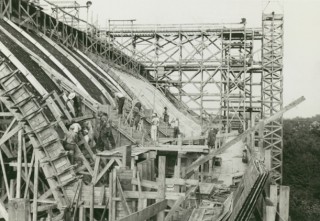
(92, 203)
(96, 170)
(35, 190)
(8, 134)
(161, 184)
(284, 203)
(147, 212)
(270, 213)
(6, 114)
(19, 167)
(203, 159)
(145, 183)
(4, 175)
(152, 195)
(29, 175)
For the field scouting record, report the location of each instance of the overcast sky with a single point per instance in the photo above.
(301, 39)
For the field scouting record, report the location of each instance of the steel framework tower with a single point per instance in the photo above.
(272, 88)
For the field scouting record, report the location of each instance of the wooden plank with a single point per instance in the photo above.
(140, 200)
(4, 175)
(274, 195)
(203, 159)
(114, 194)
(19, 167)
(10, 133)
(284, 202)
(145, 183)
(35, 190)
(181, 182)
(270, 213)
(92, 203)
(152, 195)
(126, 156)
(268, 159)
(29, 175)
(161, 184)
(82, 216)
(96, 169)
(6, 114)
(147, 212)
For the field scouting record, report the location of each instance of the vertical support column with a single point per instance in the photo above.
(126, 157)
(19, 210)
(5, 178)
(111, 202)
(272, 88)
(92, 203)
(161, 184)
(177, 172)
(19, 165)
(35, 190)
(284, 203)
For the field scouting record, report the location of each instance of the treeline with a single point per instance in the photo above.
(301, 167)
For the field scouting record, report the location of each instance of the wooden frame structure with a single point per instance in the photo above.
(218, 63)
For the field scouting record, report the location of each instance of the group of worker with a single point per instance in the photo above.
(101, 137)
(131, 112)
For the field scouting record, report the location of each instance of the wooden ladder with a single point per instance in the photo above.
(21, 102)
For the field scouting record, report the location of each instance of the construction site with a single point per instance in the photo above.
(139, 122)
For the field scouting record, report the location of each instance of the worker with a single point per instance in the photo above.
(71, 140)
(88, 133)
(165, 115)
(126, 112)
(138, 105)
(175, 126)
(120, 100)
(211, 138)
(105, 138)
(135, 117)
(76, 127)
(76, 102)
(142, 118)
(154, 128)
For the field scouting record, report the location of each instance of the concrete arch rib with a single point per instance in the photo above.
(80, 66)
(47, 53)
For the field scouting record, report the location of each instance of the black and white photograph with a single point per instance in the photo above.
(159, 110)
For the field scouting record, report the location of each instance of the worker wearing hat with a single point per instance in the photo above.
(154, 127)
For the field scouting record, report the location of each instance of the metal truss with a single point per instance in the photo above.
(272, 88)
(209, 67)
